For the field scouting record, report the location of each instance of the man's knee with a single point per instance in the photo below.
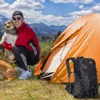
(16, 50)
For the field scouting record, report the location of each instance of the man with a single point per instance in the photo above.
(26, 49)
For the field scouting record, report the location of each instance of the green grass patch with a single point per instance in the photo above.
(45, 48)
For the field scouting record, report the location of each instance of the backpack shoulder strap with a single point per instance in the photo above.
(68, 65)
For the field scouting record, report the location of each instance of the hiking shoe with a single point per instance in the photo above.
(25, 75)
(19, 71)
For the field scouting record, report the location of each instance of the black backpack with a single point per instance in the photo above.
(85, 83)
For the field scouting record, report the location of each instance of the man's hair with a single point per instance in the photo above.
(17, 13)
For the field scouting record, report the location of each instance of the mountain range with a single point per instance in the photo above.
(39, 28)
(2, 20)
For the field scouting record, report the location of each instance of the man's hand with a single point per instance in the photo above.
(7, 46)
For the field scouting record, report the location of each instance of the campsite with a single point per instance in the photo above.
(49, 49)
(37, 89)
(34, 89)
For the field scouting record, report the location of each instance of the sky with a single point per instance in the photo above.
(50, 12)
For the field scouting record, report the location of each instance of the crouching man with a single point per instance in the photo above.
(26, 49)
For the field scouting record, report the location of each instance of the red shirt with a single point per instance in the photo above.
(25, 34)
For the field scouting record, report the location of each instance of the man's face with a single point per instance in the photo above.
(18, 20)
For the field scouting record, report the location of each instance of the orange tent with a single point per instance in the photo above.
(81, 38)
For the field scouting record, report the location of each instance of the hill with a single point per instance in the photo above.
(41, 28)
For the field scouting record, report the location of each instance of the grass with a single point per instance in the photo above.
(45, 47)
(32, 89)
(35, 89)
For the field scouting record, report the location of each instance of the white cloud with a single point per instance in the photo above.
(2, 2)
(96, 8)
(72, 1)
(51, 19)
(81, 6)
(93, 9)
(81, 13)
(26, 4)
(88, 1)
